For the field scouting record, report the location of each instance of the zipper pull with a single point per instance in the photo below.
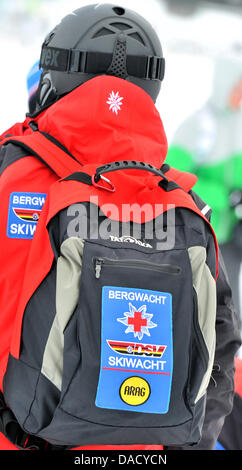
(98, 267)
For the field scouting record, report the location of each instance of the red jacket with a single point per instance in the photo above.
(106, 119)
(84, 122)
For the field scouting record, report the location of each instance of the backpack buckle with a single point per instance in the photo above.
(29, 442)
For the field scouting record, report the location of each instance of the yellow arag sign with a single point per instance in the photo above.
(134, 391)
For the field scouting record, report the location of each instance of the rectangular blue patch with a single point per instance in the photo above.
(23, 214)
(136, 350)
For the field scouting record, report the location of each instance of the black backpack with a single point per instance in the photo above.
(118, 338)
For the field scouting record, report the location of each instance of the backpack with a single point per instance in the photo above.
(114, 337)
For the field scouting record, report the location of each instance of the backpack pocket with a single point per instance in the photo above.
(132, 322)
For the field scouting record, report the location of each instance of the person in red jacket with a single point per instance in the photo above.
(96, 40)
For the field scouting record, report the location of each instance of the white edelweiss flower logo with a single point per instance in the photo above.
(138, 321)
(115, 102)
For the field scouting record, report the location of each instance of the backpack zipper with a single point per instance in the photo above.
(134, 263)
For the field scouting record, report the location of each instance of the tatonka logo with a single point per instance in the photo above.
(115, 102)
(137, 321)
(129, 239)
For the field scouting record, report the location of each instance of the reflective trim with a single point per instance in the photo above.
(206, 209)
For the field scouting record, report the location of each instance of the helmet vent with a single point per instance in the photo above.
(137, 37)
(103, 32)
(119, 11)
(121, 26)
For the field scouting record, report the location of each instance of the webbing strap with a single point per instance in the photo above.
(75, 60)
(50, 152)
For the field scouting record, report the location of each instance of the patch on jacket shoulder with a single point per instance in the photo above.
(23, 214)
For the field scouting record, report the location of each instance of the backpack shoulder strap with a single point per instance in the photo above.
(48, 150)
(184, 179)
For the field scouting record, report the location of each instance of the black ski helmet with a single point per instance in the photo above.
(95, 40)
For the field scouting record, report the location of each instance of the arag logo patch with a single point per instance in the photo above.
(134, 391)
(23, 214)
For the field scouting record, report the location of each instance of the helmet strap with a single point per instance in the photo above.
(118, 66)
(90, 62)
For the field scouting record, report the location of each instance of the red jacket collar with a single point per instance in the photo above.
(104, 120)
(107, 119)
